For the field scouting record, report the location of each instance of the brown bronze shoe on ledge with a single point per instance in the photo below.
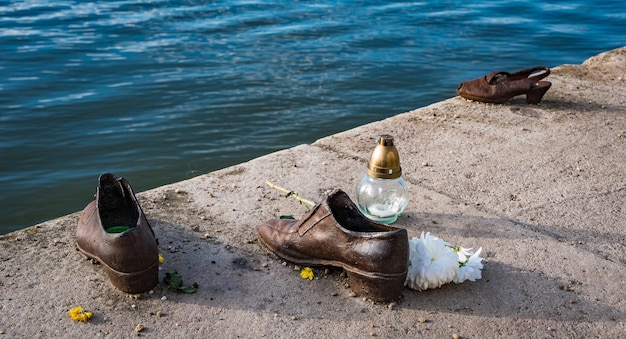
(336, 233)
(498, 87)
(114, 230)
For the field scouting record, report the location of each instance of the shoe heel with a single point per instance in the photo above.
(377, 288)
(537, 91)
(135, 282)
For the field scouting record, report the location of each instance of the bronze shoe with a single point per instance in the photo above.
(336, 233)
(114, 230)
(499, 87)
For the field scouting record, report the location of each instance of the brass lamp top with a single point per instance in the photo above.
(385, 160)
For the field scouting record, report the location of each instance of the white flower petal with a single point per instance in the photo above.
(463, 253)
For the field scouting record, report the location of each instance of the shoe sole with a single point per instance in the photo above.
(373, 285)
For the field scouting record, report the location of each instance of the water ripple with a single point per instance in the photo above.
(159, 91)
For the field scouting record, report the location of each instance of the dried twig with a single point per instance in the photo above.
(288, 193)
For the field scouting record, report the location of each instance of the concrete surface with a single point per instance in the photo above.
(540, 188)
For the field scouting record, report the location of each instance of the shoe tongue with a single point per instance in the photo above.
(111, 195)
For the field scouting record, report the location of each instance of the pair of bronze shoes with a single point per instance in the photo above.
(335, 233)
(499, 87)
(113, 230)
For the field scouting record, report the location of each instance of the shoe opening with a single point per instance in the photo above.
(115, 205)
(350, 217)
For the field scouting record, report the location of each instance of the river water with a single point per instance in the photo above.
(161, 91)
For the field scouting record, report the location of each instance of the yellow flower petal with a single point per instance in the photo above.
(161, 259)
(307, 273)
(78, 314)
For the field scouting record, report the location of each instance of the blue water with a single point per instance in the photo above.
(160, 91)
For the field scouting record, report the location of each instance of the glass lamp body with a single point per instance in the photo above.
(382, 200)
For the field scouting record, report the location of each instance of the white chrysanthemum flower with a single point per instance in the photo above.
(469, 269)
(432, 263)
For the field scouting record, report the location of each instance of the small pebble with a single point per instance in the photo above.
(352, 294)
(293, 317)
(392, 305)
(159, 313)
(133, 306)
(139, 328)
(455, 336)
(422, 320)
(163, 298)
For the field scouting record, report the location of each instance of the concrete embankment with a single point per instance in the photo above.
(540, 188)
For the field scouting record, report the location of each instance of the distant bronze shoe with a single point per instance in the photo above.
(336, 233)
(499, 87)
(113, 230)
